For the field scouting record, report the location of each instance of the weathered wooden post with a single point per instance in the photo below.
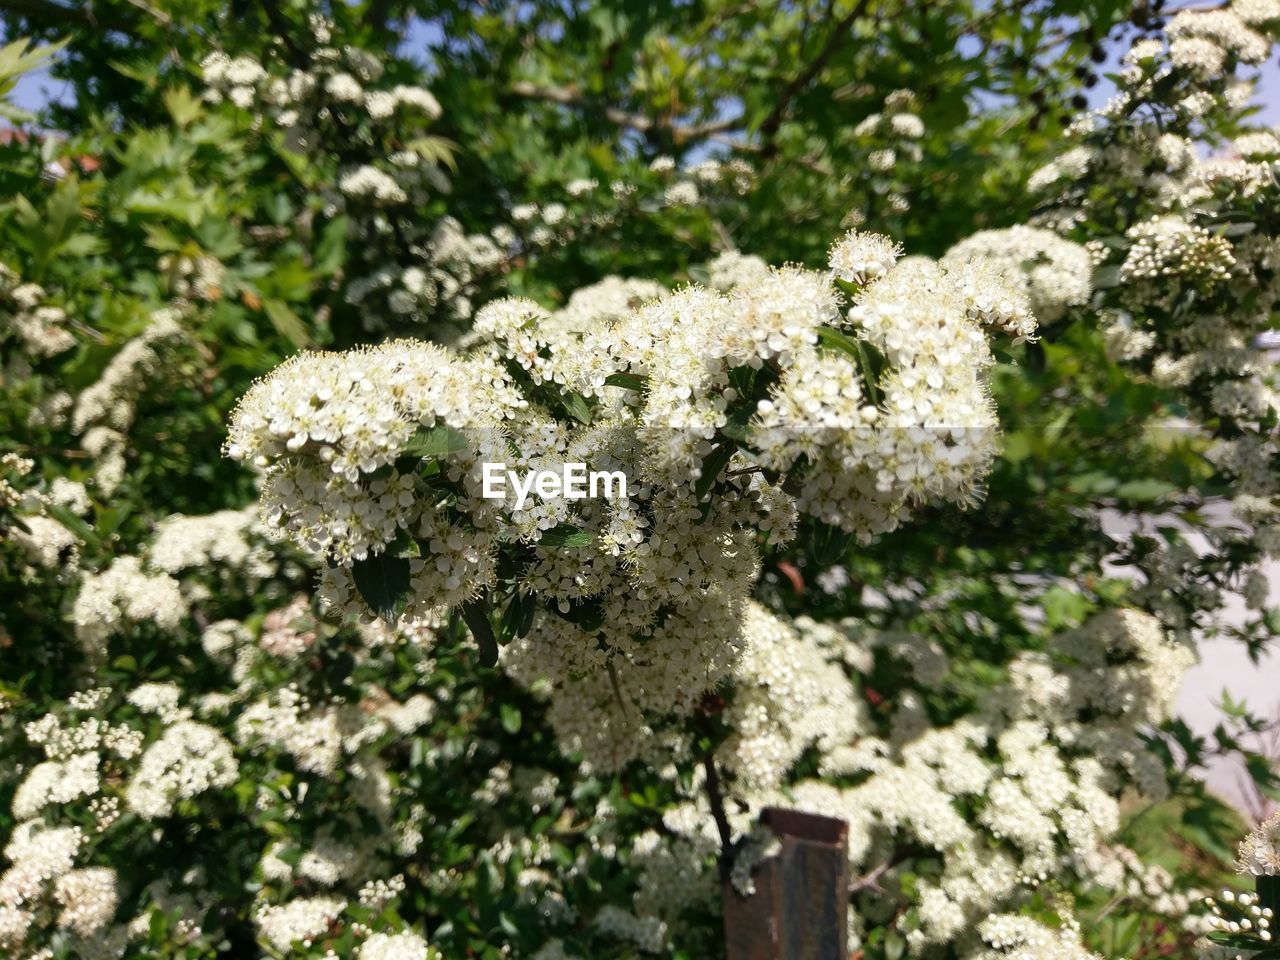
(800, 908)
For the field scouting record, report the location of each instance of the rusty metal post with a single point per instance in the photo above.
(801, 905)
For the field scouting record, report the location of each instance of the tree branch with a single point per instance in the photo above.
(809, 163)
(680, 133)
(769, 128)
(301, 60)
(716, 798)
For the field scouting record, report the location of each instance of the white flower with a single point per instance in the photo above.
(862, 258)
(188, 759)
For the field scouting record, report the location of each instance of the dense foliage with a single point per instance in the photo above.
(925, 522)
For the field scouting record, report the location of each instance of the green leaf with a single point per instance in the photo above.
(835, 340)
(18, 57)
(438, 441)
(437, 150)
(716, 461)
(1239, 229)
(510, 718)
(1063, 608)
(383, 582)
(331, 249)
(830, 544)
(575, 404)
(475, 614)
(1271, 620)
(182, 105)
(870, 360)
(1148, 489)
(1104, 278)
(287, 323)
(564, 535)
(628, 381)
(517, 618)
(73, 523)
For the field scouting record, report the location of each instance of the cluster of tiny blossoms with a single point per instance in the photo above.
(403, 265)
(1024, 788)
(134, 763)
(39, 328)
(1238, 925)
(1259, 854)
(1189, 273)
(886, 145)
(864, 390)
(1053, 274)
(585, 211)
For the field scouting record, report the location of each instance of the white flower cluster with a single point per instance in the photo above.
(588, 210)
(368, 182)
(122, 595)
(1054, 274)
(395, 946)
(788, 698)
(39, 856)
(1014, 937)
(1167, 246)
(55, 782)
(223, 538)
(1259, 853)
(422, 267)
(682, 185)
(305, 919)
(734, 269)
(47, 543)
(1241, 918)
(897, 131)
(194, 278)
(1202, 41)
(188, 759)
(105, 411)
(344, 76)
(39, 327)
(379, 452)
(607, 301)
(861, 258)
(1187, 272)
(1044, 763)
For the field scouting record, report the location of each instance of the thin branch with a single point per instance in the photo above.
(716, 798)
(871, 880)
(284, 30)
(769, 128)
(680, 133)
(159, 16)
(809, 163)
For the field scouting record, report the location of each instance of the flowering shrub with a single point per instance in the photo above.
(924, 542)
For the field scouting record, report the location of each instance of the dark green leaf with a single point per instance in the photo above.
(73, 523)
(628, 381)
(383, 582)
(716, 461)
